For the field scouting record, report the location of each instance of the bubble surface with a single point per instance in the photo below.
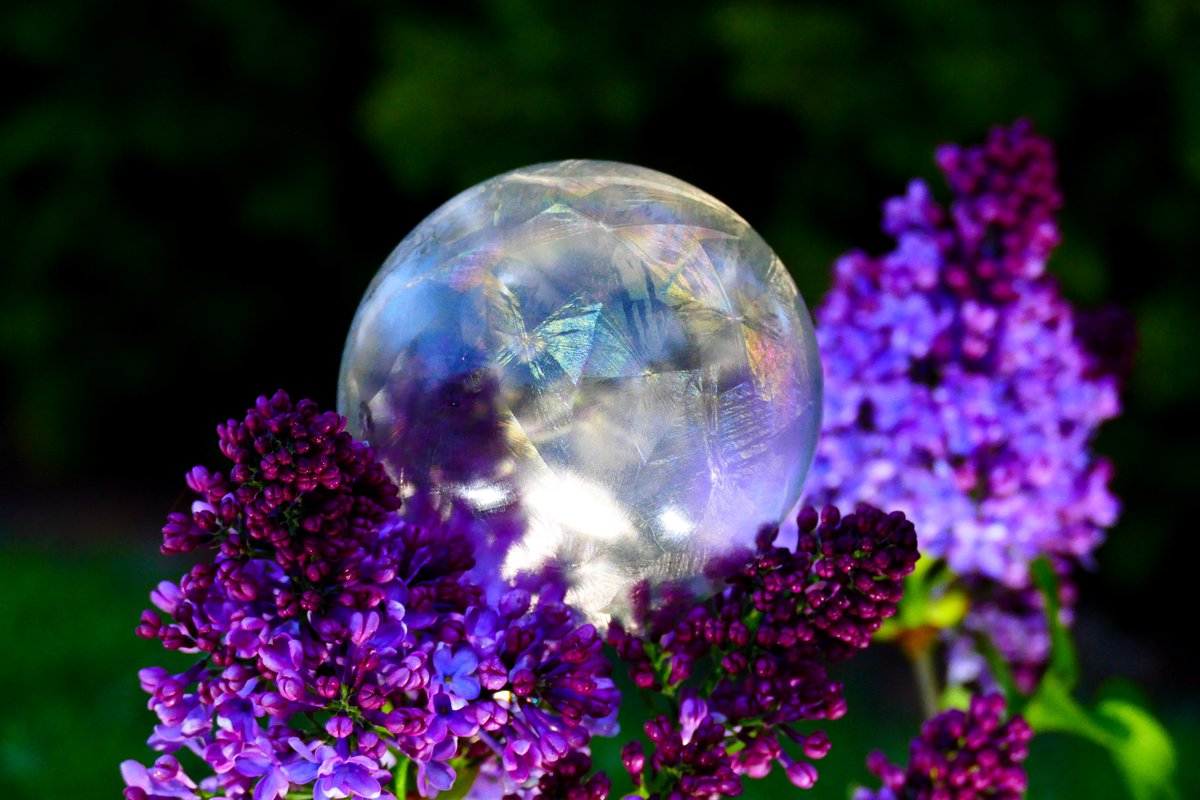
(607, 366)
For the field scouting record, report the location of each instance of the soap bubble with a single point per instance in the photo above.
(608, 367)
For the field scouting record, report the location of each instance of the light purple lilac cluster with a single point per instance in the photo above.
(340, 647)
(740, 670)
(960, 755)
(963, 389)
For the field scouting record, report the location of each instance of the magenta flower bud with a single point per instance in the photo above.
(291, 685)
(802, 774)
(328, 686)
(149, 626)
(287, 604)
(490, 716)
(371, 697)
(515, 603)
(643, 676)
(634, 759)
(169, 691)
(165, 768)
(816, 745)
(310, 600)
(492, 674)
(658, 730)
(370, 744)
(174, 637)
(406, 721)
(339, 727)
(274, 704)
(523, 681)
(363, 626)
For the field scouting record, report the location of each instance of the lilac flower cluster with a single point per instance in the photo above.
(346, 650)
(961, 388)
(753, 660)
(1015, 622)
(960, 755)
(340, 645)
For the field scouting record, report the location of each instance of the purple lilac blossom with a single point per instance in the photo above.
(689, 758)
(784, 617)
(960, 755)
(962, 388)
(163, 780)
(338, 641)
(1015, 623)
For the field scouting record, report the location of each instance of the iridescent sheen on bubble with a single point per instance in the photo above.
(607, 366)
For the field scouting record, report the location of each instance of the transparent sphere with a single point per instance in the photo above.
(607, 366)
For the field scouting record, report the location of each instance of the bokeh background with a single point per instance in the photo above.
(194, 195)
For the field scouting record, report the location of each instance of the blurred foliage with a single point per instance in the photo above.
(1140, 747)
(194, 195)
(74, 710)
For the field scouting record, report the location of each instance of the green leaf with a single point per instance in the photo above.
(931, 600)
(1053, 708)
(949, 609)
(956, 696)
(1000, 670)
(911, 611)
(1139, 745)
(889, 631)
(1142, 749)
(1063, 660)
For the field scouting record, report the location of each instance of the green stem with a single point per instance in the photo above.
(402, 779)
(927, 682)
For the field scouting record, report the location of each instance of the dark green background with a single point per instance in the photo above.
(194, 195)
